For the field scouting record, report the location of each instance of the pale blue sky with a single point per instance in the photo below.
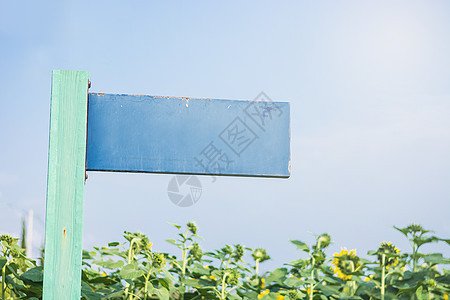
(368, 83)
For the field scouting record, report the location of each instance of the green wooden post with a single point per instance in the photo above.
(65, 185)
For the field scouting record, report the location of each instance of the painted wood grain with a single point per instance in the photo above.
(65, 185)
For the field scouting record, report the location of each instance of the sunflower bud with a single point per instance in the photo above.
(293, 294)
(260, 255)
(7, 238)
(319, 258)
(295, 272)
(323, 241)
(431, 283)
(227, 249)
(196, 252)
(387, 248)
(232, 276)
(414, 228)
(158, 260)
(192, 227)
(140, 241)
(238, 252)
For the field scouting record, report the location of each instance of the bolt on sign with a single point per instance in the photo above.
(146, 134)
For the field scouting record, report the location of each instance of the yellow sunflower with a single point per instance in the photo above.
(345, 263)
(388, 248)
(263, 283)
(263, 293)
(308, 290)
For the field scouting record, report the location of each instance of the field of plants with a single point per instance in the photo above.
(131, 270)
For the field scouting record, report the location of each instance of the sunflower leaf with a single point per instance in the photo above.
(301, 246)
(436, 258)
(405, 230)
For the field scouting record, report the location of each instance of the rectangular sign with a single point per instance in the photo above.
(130, 133)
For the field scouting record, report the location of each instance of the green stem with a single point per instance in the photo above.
(229, 260)
(3, 281)
(311, 287)
(184, 253)
(223, 287)
(130, 252)
(129, 258)
(256, 267)
(183, 268)
(383, 275)
(4, 251)
(146, 282)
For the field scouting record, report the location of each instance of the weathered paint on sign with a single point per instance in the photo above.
(129, 133)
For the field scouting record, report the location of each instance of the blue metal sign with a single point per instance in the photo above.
(129, 133)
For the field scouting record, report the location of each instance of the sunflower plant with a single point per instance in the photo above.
(306, 278)
(132, 270)
(129, 270)
(348, 267)
(15, 271)
(389, 263)
(419, 236)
